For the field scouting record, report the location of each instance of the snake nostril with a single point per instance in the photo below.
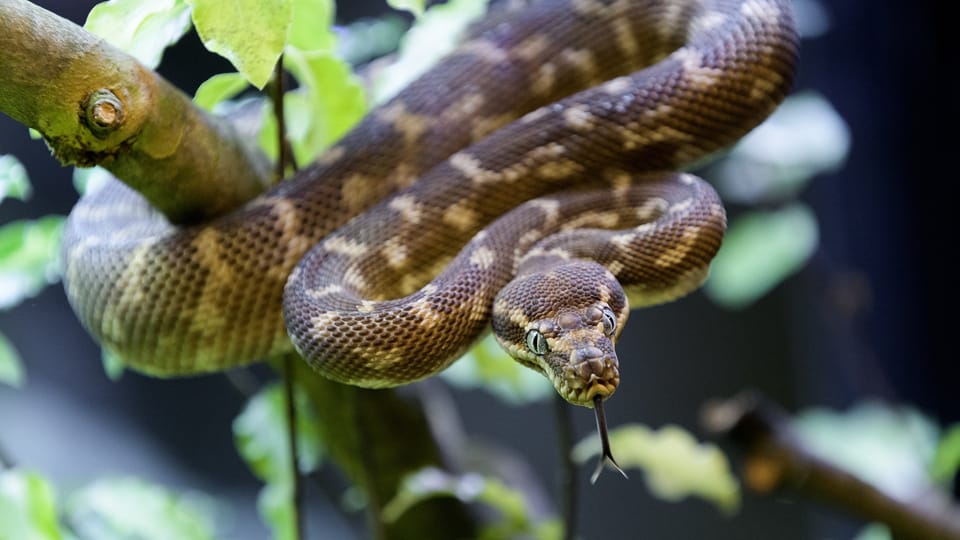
(585, 354)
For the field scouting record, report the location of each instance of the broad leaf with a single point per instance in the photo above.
(946, 461)
(142, 28)
(27, 507)
(13, 179)
(11, 367)
(219, 87)
(134, 508)
(515, 516)
(260, 433)
(413, 6)
(675, 465)
(250, 34)
(310, 29)
(759, 251)
(330, 101)
(488, 366)
(890, 447)
(435, 34)
(29, 258)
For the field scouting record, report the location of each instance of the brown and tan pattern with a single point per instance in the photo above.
(523, 181)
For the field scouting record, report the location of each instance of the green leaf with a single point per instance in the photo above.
(29, 258)
(27, 507)
(11, 367)
(760, 250)
(435, 34)
(219, 87)
(141, 28)
(946, 460)
(512, 505)
(250, 34)
(330, 101)
(874, 531)
(804, 137)
(890, 447)
(13, 179)
(90, 179)
(675, 465)
(366, 39)
(260, 434)
(113, 365)
(488, 366)
(310, 29)
(134, 508)
(413, 6)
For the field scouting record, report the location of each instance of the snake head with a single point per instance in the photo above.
(563, 322)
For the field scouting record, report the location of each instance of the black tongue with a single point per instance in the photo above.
(606, 456)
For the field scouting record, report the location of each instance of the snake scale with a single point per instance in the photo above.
(527, 181)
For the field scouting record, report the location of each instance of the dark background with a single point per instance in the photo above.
(873, 314)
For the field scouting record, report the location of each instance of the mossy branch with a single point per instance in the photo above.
(96, 105)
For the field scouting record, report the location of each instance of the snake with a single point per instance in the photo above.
(535, 181)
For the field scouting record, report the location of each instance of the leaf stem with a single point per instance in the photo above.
(297, 479)
(284, 149)
(567, 481)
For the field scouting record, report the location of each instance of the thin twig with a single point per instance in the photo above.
(290, 399)
(284, 149)
(567, 479)
(775, 459)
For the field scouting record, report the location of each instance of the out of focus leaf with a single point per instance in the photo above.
(804, 137)
(413, 6)
(250, 34)
(113, 365)
(29, 258)
(219, 87)
(310, 28)
(946, 460)
(328, 103)
(874, 531)
(11, 367)
(142, 28)
(760, 250)
(515, 514)
(675, 465)
(366, 39)
(27, 507)
(434, 35)
(260, 433)
(134, 508)
(892, 448)
(13, 179)
(487, 366)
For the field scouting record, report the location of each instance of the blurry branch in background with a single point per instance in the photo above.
(775, 458)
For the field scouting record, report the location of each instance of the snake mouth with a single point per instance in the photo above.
(580, 382)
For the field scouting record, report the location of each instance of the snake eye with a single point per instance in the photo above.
(536, 342)
(609, 322)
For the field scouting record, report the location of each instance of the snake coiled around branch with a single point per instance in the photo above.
(528, 180)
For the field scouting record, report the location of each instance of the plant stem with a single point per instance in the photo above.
(284, 150)
(290, 402)
(567, 469)
(775, 458)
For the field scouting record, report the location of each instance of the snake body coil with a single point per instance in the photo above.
(546, 139)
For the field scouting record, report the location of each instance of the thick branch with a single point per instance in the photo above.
(776, 459)
(96, 105)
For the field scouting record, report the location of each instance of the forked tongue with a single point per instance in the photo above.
(606, 457)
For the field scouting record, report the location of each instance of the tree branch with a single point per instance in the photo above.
(775, 459)
(96, 105)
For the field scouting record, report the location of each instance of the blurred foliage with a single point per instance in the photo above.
(511, 504)
(262, 439)
(487, 366)
(125, 508)
(142, 28)
(29, 258)
(27, 507)
(413, 6)
(675, 465)
(11, 366)
(13, 179)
